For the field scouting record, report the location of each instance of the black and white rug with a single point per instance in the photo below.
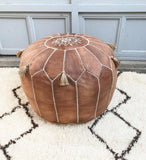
(118, 134)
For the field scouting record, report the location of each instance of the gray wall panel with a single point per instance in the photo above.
(44, 27)
(105, 29)
(135, 34)
(13, 33)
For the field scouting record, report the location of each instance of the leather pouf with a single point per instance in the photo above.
(68, 78)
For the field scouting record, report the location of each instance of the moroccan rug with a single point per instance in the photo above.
(118, 134)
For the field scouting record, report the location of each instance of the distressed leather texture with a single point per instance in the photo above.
(89, 69)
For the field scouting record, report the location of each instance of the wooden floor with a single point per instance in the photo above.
(137, 66)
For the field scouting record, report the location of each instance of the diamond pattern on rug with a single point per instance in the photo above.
(118, 145)
(22, 98)
(121, 129)
(19, 131)
(123, 136)
(117, 97)
(9, 129)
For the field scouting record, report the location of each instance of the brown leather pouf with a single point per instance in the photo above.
(68, 78)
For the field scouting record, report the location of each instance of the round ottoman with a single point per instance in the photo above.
(68, 78)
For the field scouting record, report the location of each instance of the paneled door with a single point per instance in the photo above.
(120, 22)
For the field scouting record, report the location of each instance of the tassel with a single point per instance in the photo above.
(112, 46)
(63, 80)
(116, 62)
(19, 53)
(23, 70)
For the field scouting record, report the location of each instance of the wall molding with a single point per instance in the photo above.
(29, 20)
(105, 7)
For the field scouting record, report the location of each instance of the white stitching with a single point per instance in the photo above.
(47, 75)
(56, 77)
(106, 67)
(76, 85)
(100, 71)
(93, 55)
(53, 94)
(70, 77)
(36, 56)
(32, 49)
(103, 53)
(66, 35)
(110, 62)
(98, 90)
(97, 58)
(92, 74)
(97, 80)
(37, 72)
(64, 60)
(35, 96)
(54, 101)
(80, 76)
(112, 83)
(100, 50)
(80, 59)
(48, 59)
(84, 69)
(103, 44)
(77, 101)
(98, 43)
(46, 42)
(97, 102)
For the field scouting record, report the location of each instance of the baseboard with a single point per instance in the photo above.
(9, 61)
(135, 66)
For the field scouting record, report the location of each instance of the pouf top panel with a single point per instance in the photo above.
(79, 46)
(66, 42)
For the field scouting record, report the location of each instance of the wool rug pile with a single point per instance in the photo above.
(118, 134)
